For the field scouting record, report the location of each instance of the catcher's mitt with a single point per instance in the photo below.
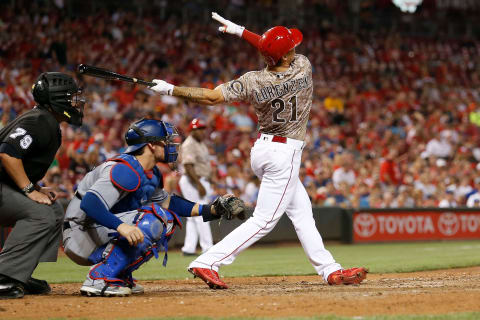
(229, 207)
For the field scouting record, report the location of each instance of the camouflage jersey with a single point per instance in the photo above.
(282, 100)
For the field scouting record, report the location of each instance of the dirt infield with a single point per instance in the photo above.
(433, 292)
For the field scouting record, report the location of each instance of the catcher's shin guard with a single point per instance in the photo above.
(120, 259)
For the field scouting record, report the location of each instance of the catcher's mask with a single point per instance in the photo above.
(151, 131)
(58, 92)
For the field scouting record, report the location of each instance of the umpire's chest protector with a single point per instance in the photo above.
(128, 175)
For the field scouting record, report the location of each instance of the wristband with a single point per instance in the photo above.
(28, 189)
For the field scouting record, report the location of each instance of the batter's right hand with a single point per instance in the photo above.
(228, 26)
(39, 197)
(132, 233)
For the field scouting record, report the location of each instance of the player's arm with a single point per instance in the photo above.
(14, 168)
(186, 208)
(103, 195)
(235, 29)
(14, 148)
(197, 95)
(227, 206)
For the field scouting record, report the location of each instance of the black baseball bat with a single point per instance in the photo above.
(110, 75)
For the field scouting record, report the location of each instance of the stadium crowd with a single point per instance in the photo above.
(394, 120)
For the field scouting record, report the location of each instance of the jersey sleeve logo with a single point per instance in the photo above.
(26, 141)
(236, 87)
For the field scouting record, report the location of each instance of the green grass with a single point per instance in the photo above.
(291, 260)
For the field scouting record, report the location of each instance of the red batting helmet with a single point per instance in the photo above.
(277, 41)
(197, 124)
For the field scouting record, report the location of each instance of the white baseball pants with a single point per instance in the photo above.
(196, 230)
(277, 165)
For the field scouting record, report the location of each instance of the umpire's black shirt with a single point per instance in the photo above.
(33, 137)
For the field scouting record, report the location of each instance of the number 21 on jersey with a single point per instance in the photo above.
(279, 105)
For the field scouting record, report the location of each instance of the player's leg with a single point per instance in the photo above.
(189, 192)
(204, 233)
(300, 213)
(203, 228)
(191, 237)
(276, 165)
(118, 259)
(34, 226)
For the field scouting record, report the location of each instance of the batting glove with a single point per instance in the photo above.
(228, 26)
(162, 87)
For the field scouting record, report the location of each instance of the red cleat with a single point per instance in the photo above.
(349, 276)
(209, 276)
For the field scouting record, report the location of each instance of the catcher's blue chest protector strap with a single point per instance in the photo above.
(128, 175)
(119, 259)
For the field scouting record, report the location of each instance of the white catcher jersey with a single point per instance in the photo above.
(282, 100)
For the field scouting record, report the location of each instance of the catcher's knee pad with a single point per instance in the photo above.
(119, 259)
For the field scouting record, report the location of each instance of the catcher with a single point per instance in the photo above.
(121, 217)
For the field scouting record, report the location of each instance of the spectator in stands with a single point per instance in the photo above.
(344, 173)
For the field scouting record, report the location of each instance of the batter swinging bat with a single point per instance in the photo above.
(110, 75)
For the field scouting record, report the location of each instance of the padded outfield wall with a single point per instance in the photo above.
(362, 226)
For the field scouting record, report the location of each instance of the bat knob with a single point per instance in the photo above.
(81, 68)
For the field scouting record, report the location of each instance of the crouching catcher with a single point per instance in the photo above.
(121, 217)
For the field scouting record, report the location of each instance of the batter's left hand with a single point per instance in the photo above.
(162, 87)
(49, 193)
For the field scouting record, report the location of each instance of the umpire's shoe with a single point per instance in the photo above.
(209, 276)
(10, 288)
(36, 286)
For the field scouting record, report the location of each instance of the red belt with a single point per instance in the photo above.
(275, 138)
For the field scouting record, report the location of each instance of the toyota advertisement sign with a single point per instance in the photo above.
(415, 225)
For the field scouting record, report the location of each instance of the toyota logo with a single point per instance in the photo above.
(448, 223)
(365, 225)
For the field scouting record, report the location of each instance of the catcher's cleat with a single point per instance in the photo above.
(209, 276)
(98, 287)
(137, 289)
(349, 276)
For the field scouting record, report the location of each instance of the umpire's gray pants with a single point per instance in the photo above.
(36, 233)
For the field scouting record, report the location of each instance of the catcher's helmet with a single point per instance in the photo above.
(277, 41)
(150, 131)
(197, 124)
(59, 92)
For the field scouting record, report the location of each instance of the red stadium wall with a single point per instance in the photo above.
(415, 225)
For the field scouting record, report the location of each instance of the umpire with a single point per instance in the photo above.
(27, 148)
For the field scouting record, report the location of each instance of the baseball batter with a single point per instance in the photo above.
(195, 186)
(282, 96)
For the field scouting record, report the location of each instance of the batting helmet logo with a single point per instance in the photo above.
(277, 42)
